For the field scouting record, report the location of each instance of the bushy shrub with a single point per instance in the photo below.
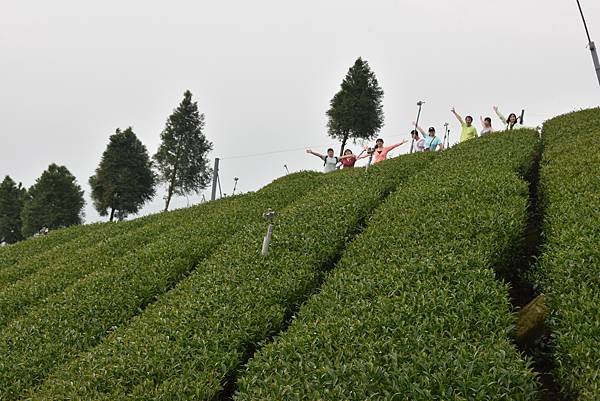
(570, 264)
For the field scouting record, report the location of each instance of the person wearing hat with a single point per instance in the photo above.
(468, 131)
(431, 143)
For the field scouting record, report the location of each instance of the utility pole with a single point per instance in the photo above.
(591, 44)
(215, 179)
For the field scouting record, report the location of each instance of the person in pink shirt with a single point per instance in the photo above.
(380, 152)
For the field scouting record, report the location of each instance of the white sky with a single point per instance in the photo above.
(264, 71)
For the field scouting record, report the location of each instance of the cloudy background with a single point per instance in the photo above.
(264, 72)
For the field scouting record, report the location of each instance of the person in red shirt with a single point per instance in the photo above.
(349, 159)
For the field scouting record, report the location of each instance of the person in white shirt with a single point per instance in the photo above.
(487, 126)
(419, 142)
(330, 160)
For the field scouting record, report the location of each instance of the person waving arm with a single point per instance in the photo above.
(421, 130)
(311, 152)
(500, 115)
(458, 117)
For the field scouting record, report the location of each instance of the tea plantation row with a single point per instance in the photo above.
(192, 340)
(71, 321)
(570, 263)
(413, 311)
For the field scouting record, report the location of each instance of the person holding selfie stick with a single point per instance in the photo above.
(512, 122)
(420, 142)
(420, 103)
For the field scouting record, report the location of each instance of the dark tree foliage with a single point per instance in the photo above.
(124, 180)
(182, 156)
(12, 197)
(55, 200)
(356, 110)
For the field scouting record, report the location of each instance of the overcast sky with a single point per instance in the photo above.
(264, 71)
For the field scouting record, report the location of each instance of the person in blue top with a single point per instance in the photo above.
(432, 142)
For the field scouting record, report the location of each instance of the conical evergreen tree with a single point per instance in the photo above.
(124, 180)
(181, 157)
(12, 197)
(356, 110)
(55, 200)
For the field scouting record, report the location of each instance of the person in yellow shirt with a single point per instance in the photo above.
(468, 131)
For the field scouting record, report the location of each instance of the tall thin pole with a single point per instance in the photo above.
(412, 144)
(213, 194)
(446, 136)
(591, 44)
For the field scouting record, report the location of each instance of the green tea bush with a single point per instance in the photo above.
(570, 264)
(31, 247)
(46, 257)
(413, 311)
(187, 344)
(72, 321)
(92, 254)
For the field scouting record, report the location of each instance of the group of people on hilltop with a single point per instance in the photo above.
(429, 142)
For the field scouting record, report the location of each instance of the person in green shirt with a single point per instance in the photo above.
(468, 131)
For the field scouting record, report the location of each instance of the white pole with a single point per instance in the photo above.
(267, 240)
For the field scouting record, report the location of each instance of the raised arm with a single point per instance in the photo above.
(500, 116)
(320, 156)
(420, 129)
(458, 117)
(394, 146)
(482, 121)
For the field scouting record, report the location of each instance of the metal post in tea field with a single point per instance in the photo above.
(446, 137)
(215, 179)
(591, 44)
(235, 185)
(269, 215)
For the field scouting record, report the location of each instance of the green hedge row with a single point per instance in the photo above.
(93, 253)
(413, 311)
(31, 247)
(194, 338)
(44, 252)
(54, 255)
(570, 262)
(67, 323)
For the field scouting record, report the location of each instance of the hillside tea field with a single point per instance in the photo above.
(381, 284)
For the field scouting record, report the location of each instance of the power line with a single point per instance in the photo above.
(288, 150)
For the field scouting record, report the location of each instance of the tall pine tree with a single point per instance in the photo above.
(11, 206)
(55, 200)
(181, 157)
(124, 180)
(356, 111)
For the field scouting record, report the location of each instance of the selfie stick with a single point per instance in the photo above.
(419, 103)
